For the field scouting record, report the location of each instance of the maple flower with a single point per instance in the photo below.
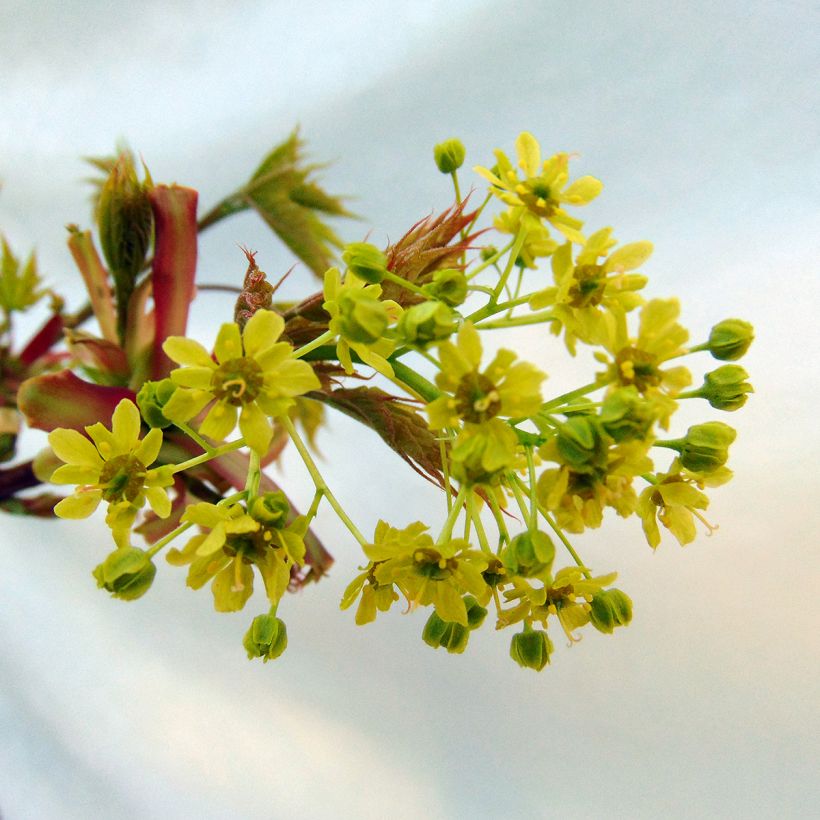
(543, 190)
(590, 292)
(236, 539)
(112, 466)
(676, 500)
(427, 572)
(505, 388)
(254, 376)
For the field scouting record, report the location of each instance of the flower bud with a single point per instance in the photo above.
(152, 397)
(426, 323)
(610, 608)
(475, 612)
(449, 155)
(449, 285)
(125, 221)
(529, 554)
(127, 573)
(271, 508)
(579, 442)
(488, 252)
(366, 261)
(531, 649)
(452, 636)
(625, 416)
(730, 339)
(726, 387)
(706, 446)
(267, 638)
(363, 318)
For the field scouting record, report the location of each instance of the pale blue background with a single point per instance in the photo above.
(703, 123)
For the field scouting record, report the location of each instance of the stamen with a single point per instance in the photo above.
(710, 528)
(238, 586)
(236, 382)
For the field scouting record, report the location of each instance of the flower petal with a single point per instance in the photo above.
(187, 352)
(125, 425)
(73, 447)
(149, 447)
(219, 422)
(75, 474)
(159, 501)
(80, 505)
(196, 377)
(228, 343)
(184, 404)
(529, 154)
(255, 427)
(262, 331)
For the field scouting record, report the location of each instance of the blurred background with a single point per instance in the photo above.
(702, 121)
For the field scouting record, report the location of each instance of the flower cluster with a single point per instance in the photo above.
(520, 470)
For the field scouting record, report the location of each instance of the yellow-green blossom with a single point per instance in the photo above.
(375, 597)
(543, 189)
(112, 466)
(426, 572)
(537, 240)
(360, 319)
(253, 376)
(675, 499)
(638, 361)
(235, 541)
(592, 292)
(505, 388)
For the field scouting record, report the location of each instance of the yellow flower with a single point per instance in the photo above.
(235, 541)
(578, 497)
(543, 189)
(112, 466)
(375, 597)
(637, 361)
(592, 291)
(675, 500)
(253, 375)
(360, 319)
(537, 240)
(426, 572)
(503, 389)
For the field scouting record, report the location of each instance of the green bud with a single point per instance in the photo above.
(452, 636)
(428, 322)
(706, 446)
(449, 285)
(610, 608)
(488, 253)
(730, 339)
(366, 261)
(267, 638)
(475, 612)
(625, 415)
(726, 388)
(271, 508)
(529, 554)
(579, 442)
(449, 155)
(127, 573)
(152, 397)
(363, 317)
(531, 649)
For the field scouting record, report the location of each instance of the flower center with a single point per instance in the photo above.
(237, 381)
(637, 367)
(430, 564)
(477, 399)
(121, 478)
(535, 194)
(588, 288)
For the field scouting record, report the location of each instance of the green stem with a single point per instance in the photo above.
(319, 482)
(492, 308)
(327, 336)
(403, 283)
(503, 533)
(475, 515)
(163, 542)
(516, 249)
(491, 261)
(533, 522)
(454, 175)
(518, 321)
(192, 434)
(416, 382)
(254, 476)
(447, 530)
(445, 468)
(213, 453)
(565, 398)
